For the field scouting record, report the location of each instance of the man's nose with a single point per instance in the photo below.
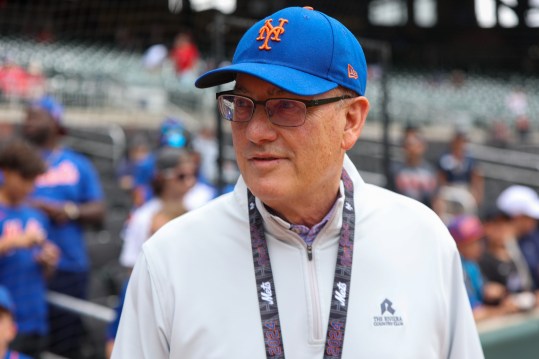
(260, 129)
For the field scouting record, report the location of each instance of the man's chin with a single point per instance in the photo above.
(268, 191)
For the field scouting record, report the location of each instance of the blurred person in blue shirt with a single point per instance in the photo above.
(8, 327)
(26, 256)
(70, 193)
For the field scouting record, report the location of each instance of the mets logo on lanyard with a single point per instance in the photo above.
(269, 32)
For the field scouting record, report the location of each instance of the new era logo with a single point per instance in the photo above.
(352, 73)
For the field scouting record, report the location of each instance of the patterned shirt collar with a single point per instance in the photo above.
(309, 234)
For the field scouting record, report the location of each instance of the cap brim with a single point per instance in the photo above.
(288, 79)
(533, 210)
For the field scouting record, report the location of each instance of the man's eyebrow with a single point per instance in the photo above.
(240, 89)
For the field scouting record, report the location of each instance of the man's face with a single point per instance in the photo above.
(498, 231)
(414, 146)
(289, 164)
(38, 126)
(471, 250)
(181, 179)
(459, 145)
(524, 224)
(16, 186)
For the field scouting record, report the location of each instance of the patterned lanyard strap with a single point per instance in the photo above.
(267, 297)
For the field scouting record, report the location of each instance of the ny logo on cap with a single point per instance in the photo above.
(269, 32)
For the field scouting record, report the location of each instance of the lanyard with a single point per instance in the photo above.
(267, 297)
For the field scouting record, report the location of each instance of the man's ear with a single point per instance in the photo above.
(356, 114)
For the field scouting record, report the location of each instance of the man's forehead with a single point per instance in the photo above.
(249, 84)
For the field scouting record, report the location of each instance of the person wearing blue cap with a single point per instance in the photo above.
(303, 259)
(70, 193)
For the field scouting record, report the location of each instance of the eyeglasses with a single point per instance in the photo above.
(285, 112)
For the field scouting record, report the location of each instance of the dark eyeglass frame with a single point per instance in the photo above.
(308, 103)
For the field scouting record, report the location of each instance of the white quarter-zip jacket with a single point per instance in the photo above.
(193, 293)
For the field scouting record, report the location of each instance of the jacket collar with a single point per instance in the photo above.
(279, 228)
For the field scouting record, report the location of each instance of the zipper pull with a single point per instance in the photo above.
(310, 252)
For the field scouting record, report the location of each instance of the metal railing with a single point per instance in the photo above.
(81, 307)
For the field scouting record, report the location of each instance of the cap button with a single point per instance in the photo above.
(308, 8)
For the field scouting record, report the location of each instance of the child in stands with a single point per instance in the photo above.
(26, 257)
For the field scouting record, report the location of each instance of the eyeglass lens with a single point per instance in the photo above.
(281, 112)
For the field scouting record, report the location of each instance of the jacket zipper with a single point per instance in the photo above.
(315, 295)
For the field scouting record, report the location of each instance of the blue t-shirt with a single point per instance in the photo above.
(19, 271)
(143, 170)
(473, 281)
(69, 177)
(10, 354)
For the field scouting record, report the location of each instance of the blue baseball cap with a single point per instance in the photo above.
(299, 50)
(173, 133)
(51, 106)
(5, 300)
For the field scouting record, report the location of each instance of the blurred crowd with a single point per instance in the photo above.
(20, 83)
(498, 244)
(50, 194)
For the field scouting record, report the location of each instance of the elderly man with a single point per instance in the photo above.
(303, 259)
